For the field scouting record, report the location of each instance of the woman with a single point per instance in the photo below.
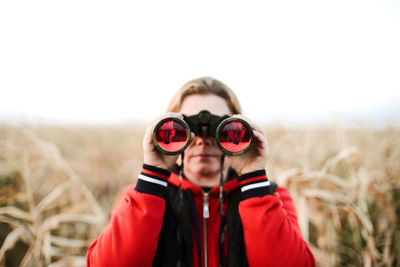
(173, 218)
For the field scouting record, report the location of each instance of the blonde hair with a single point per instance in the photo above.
(203, 86)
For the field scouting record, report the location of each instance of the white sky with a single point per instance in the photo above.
(116, 61)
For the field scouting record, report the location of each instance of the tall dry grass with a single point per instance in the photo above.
(346, 188)
(58, 185)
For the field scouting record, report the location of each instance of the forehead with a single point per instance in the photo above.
(213, 103)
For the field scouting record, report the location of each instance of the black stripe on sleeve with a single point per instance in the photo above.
(157, 170)
(251, 175)
(258, 192)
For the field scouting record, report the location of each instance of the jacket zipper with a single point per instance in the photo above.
(206, 215)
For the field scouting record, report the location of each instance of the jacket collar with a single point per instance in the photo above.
(230, 185)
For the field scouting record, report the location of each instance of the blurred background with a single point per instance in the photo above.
(79, 80)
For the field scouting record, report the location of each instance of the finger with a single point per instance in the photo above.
(262, 143)
(260, 139)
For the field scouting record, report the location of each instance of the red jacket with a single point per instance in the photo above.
(271, 232)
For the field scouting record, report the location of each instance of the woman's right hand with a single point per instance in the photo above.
(151, 155)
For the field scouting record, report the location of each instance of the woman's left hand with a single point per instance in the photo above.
(254, 159)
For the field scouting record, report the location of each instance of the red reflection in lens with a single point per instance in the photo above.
(234, 136)
(171, 136)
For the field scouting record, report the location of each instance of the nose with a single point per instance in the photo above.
(203, 140)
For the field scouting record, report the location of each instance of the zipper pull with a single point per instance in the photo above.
(206, 211)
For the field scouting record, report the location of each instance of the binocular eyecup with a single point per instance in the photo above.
(172, 135)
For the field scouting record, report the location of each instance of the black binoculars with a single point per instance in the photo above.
(234, 136)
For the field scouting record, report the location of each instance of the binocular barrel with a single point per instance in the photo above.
(233, 136)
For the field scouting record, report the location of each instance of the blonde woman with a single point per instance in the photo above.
(202, 207)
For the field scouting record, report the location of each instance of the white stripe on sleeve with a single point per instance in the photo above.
(152, 180)
(257, 185)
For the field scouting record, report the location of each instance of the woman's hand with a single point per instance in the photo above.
(254, 159)
(151, 155)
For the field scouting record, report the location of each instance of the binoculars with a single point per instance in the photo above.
(172, 135)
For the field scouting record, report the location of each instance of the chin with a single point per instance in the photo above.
(205, 168)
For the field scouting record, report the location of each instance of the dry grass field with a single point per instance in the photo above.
(58, 185)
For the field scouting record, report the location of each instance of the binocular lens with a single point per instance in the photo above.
(234, 137)
(171, 136)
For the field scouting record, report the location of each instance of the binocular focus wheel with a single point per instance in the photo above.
(171, 136)
(234, 136)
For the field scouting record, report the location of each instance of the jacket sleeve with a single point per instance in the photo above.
(131, 236)
(271, 231)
